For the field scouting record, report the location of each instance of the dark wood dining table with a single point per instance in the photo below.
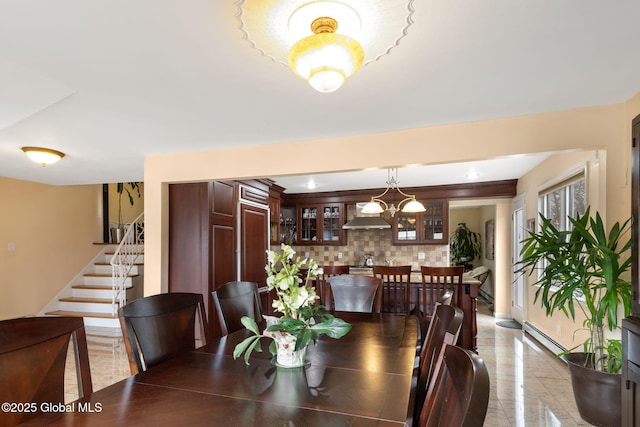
(362, 379)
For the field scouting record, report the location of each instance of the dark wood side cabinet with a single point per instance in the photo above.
(631, 325)
(218, 233)
(202, 240)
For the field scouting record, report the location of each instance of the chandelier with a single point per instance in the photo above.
(324, 41)
(375, 205)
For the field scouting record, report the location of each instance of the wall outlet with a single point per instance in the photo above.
(11, 247)
(421, 255)
(559, 330)
(339, 255)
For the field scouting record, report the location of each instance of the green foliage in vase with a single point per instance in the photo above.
(296, 300)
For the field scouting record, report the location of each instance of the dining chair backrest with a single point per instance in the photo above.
(234, 300)
(396, 287)
(355, 292)
(33, 354)
(445, 298)
(159, 327)
(444, 328)
(435, 282)
(321, 282)
(458, 394)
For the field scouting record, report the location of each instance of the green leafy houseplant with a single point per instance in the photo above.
(464, 244)
(585, 269)
(130, 188)
(302, 319)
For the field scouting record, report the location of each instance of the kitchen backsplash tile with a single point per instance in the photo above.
(377, 243)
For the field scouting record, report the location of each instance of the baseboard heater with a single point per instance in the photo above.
(543, 339)
(486, 296)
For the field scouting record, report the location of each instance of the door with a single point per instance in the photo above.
(518, 291)
(254, 243)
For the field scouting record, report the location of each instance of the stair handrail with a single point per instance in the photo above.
(125, 256)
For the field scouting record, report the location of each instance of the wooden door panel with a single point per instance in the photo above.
(253, 243)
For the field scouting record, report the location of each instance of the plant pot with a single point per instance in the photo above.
(287, 357)
(117, 234)
(598, 395)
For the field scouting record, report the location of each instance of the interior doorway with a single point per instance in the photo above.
(518, 233)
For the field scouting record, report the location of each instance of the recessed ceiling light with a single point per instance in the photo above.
(473, 175)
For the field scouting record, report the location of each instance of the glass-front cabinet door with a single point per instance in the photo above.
(331, 225)
(428, 227)
(406, 230)
(434, 221)
(321, 224)
(308, 223)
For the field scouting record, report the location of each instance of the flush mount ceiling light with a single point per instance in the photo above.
(324, 42)
(42, 156)
(411, 205)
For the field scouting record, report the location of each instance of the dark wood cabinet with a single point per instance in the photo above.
(320, 224)
(275, 218)
(254, 223)
(631, 325)
(207, 222)
(424, 228)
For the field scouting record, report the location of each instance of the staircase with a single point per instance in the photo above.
(114, 277)
(90, 295)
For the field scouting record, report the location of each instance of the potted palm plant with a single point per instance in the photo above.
(464, 245)
(130, 188)
(586, 269)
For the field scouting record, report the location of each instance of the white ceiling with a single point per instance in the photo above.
(108, 82)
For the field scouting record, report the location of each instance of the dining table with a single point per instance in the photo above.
(361, 379)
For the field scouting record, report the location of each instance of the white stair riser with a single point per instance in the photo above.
(106, 281)
(106, 269)
(102, 322)
(85, 307)
(92, 293)
(138, 259)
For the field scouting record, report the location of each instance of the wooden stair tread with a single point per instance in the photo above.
(81, 314)
(108, 263)
(96, 287)
(106, 275)
(91, 300)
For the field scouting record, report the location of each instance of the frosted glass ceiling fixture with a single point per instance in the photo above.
(43, 156)
(375, 205)
(324, 42)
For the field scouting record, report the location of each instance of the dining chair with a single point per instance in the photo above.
(159, 327)
(355, 292)
(33, 354)
(234, 300)
(396, 287)
(445, 299)
(458, 395)
(321, 281)
(444, 329)
(436, 281)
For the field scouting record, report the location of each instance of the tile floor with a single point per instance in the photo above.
(529, 386)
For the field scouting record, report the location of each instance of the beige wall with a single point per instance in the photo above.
(51, 230)
(595, 127)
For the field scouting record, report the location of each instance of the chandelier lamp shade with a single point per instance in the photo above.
(407, 205)
(43, 156)
(324, 41)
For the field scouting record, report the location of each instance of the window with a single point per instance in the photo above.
(563, 200)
